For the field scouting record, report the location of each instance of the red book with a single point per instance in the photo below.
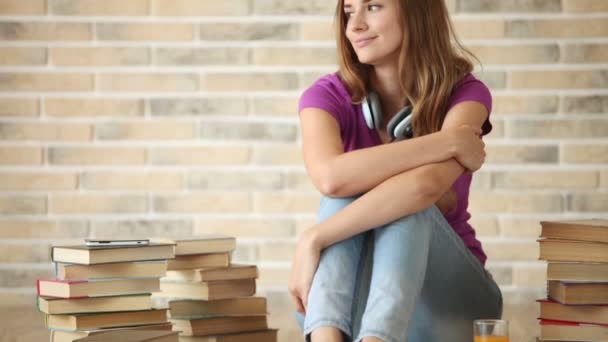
(96, 288)
(543, 321)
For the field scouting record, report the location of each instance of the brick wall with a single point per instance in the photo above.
(150, 117)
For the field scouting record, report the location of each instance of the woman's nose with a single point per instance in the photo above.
(357, 21)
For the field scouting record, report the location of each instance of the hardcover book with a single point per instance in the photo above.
(88, 255)
(584, 230)
(51, 305)
(96, 288)
(232, 272)
(201, 244)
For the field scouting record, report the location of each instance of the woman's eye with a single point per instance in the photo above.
(371, 7)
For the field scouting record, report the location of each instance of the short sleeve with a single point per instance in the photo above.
(472, 89)
(324, 94)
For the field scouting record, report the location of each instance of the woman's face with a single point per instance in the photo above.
(374, 29)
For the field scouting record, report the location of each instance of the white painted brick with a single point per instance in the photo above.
(176, 117)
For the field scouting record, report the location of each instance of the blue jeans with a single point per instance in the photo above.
(410, 280)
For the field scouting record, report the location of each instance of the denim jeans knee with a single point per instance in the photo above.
(399, 263)
(331, 205)
(329, 304)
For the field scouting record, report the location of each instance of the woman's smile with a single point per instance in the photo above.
(363, 42)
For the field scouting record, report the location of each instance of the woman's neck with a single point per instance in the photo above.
(385, 82)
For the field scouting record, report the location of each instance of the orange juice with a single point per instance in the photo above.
(491, 339)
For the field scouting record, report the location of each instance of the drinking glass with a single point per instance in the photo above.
(491, 330)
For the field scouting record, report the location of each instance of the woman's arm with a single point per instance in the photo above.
(338, 174)
(405, 193)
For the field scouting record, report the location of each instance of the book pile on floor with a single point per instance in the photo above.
(211, 299)
(577, 281)
(104, 293)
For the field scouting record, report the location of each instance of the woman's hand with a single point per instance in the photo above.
(304, 266)
(468, 147)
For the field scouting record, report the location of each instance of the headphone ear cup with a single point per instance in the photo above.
(404, 129)
(376, 109)
(396, 126)
(367, 113)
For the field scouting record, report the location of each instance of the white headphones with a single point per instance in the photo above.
(400, 126)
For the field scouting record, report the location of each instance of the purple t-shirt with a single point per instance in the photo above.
(330, 94)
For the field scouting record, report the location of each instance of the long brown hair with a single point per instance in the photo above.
(427, 50)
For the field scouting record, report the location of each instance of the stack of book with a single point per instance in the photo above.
(211, 299)
(577, 281)
(105, 290)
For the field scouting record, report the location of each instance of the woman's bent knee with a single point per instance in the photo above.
(331, 205)
(419, 223)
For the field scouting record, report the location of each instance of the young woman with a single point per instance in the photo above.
(403, 192)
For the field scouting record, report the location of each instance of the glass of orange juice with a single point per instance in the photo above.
(491, 330)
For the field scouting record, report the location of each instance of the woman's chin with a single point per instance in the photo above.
(371, 60)
(375, 60)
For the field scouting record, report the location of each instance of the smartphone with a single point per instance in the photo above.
(109, 243)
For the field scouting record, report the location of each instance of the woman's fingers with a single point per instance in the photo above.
(305, 299)
(294, 293)
(298, 303)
